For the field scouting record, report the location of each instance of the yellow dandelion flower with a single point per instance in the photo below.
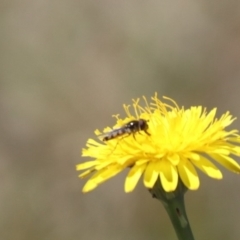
(172, 144)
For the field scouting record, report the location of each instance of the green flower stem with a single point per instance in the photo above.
(175, 207)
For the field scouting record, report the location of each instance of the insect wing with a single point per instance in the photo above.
(110, 135)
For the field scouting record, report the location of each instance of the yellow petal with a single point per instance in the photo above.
(104, 174)
(227, 162)
(220, 151)
(90, 185)
(234, 139)
(92, 142)
(169, 177)
(150, 175)
(86, 165)
(233, 149)
(86, 173)
(192, 156)
(97, 132)
(188, 174)
(208, 168)
(174, 158)
(133, 177)
(124, 160)
(111, 171)
(211, 114)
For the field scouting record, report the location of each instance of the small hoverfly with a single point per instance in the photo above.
(131, 127)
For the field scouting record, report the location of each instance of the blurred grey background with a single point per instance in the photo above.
(66, 67)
